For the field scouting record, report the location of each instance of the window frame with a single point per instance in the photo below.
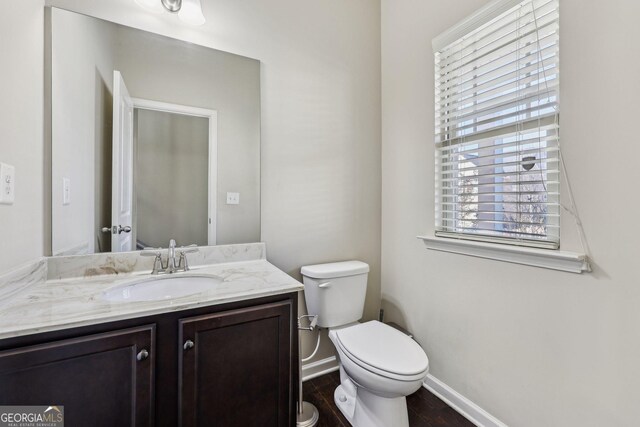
(552, 220)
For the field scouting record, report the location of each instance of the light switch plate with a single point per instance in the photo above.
(233, 198)
(66, 191)
(7, 184)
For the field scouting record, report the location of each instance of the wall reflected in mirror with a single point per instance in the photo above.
(148, 136)
(180, 145)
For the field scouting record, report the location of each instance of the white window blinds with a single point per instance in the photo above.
(497, 125)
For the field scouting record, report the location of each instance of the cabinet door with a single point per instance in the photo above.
(235, 368)
(102, 380)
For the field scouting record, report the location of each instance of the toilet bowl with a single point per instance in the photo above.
(379, 365)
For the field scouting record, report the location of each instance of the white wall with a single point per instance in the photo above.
(534, 347)
(320, 89)
(83, 58)
(21, 118)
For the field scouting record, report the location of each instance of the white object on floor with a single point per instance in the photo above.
(379, 365)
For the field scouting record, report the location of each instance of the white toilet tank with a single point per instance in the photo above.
(335, 291)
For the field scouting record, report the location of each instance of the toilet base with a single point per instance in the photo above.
(365, 409)
(345, 402)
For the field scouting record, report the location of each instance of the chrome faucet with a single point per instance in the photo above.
(171, 266)
(171, 257)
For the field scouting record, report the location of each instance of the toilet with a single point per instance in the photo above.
(379, 365)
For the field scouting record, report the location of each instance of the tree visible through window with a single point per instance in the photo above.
(497, 127)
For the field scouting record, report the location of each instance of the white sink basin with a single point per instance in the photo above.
(161, 288)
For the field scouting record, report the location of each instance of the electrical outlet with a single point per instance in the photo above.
(233, 198)
(7, 184)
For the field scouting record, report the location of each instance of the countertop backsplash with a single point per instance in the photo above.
(75, 266)
(20, 279)
(15, 281)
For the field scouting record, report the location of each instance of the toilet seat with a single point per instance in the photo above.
(383, 350)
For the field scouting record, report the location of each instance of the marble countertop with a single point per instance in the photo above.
(56, 304)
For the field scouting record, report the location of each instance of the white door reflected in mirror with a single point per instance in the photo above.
(122, 164)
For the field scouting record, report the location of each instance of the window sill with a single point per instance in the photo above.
(545, 258)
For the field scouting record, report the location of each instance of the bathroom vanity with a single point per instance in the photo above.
(224, 357)
(90, 328)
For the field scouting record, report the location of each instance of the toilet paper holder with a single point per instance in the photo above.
(312, 324)
(308, 414)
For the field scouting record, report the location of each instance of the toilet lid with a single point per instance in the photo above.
(384, 348)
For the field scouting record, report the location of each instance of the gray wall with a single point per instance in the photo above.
(172, 153)
(83, 60)
(534, 347)
(21, 139)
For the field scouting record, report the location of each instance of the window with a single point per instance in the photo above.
(497, 125)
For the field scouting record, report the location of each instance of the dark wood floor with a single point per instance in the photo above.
(425, 409)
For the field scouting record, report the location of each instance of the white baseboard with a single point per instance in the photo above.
(458, 402)
(464, 406)
(319, 368)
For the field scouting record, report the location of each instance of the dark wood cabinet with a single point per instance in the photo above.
(241, 369)
(235, 367)
(102, 380)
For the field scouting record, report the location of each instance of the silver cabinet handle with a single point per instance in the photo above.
(125, 229)
(142, 355)
(188, 344)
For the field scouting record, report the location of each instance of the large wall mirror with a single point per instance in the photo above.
(151, 139)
